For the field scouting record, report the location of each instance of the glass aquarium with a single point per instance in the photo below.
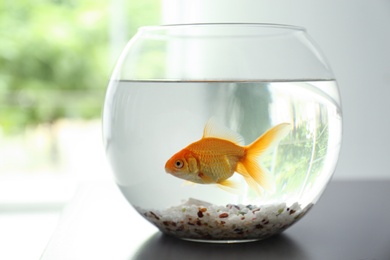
(222, 132)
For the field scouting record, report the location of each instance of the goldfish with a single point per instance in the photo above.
(221, 152)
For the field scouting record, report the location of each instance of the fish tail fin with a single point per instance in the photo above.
(229, 186)
(255, 175)
(250, 166)
(248, 178)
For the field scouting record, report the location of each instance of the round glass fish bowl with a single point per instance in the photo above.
(222, 132)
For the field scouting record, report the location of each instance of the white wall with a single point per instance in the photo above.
(355, 37)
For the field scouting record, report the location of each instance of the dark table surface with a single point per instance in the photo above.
(350, 221)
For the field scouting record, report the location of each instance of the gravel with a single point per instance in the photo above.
(200, 220)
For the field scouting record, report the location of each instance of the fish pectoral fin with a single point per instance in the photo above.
(205, 179)
(229, 186)
(189, 183)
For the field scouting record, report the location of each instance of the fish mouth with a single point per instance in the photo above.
(168, 167)
(173, 172)
(168, 171)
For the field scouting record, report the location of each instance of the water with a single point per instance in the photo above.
(145, 123)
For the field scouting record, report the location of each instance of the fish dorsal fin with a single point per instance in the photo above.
(215, 129)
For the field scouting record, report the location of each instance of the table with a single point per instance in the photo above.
(350, 221)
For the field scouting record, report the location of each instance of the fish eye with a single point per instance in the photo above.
(179, 164)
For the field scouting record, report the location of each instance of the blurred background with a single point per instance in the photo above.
(55, 60)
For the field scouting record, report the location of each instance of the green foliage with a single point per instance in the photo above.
(54, 57)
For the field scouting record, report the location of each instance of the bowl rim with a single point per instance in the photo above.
(232, 25)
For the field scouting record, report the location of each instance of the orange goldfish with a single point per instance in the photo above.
(221, 152)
